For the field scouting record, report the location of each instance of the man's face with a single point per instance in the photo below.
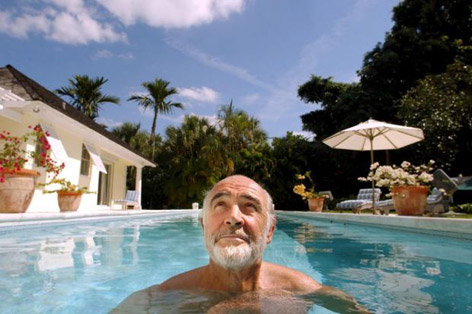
(235, 223)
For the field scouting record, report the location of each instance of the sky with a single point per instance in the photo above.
(254, 53)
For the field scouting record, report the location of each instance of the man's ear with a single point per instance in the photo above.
(201, 223)
(271, 231)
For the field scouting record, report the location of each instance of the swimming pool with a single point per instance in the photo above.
(92, 267)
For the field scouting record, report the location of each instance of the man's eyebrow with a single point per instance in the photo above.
(218, 195)
(251, 198)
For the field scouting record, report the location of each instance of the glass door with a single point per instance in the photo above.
(104, 186)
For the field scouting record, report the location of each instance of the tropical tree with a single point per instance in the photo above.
(442, 106)
(131, 134)
(157, 100)
(85, 94)
(240, 130)
(425, 38)
(195, 159)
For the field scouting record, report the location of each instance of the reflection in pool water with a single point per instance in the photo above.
(79, 268)
(266, 301)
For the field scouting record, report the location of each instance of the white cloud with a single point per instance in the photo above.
(172, 13)
(69, 22)
(109, 123)
(146, 112)
(283, 100)
(22, 25)
(307, 135)
(79, 22)
(215, 63)
(126, 56)
(212, 119)
(250, 99)
(106, 54)
(204, 94)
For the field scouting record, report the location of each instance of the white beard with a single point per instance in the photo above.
(235, 256)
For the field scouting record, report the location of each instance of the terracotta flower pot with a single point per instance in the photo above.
(316, 204)
(409, 200)
(16, 192)
(69, 201)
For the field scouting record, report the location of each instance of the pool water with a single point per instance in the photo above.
(91, 268)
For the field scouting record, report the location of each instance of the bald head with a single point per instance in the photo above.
(242, 183)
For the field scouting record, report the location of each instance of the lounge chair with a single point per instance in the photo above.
(131, 198)
(364, 198)
(438, 202)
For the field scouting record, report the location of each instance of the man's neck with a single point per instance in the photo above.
(234, 280)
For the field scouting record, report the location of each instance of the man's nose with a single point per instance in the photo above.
(234, 217)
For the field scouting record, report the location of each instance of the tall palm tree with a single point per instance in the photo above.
(240, 129)
(86, 94)
(157, 100)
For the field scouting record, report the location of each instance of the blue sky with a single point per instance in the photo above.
(254, 52)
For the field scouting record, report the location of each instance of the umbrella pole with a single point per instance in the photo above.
(373, 183)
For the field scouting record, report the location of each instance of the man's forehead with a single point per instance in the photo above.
(239, 184)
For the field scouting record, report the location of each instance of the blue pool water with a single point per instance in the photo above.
(90, 268)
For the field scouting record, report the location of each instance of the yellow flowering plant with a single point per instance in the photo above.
(302, 190)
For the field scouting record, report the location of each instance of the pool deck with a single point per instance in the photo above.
(452, 227)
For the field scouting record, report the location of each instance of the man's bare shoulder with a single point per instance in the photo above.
(184, 281)
(278, 276)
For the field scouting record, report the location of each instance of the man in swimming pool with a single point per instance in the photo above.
(238, 221)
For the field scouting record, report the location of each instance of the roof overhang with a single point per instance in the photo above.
(15, 109)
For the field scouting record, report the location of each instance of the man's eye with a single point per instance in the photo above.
(251, 206)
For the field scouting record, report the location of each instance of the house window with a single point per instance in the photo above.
(85, 162)
(39, 150)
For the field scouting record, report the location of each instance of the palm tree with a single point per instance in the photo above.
(159, 92)
(127, 131)
(240, 129)
(86, 94)
(196, 160)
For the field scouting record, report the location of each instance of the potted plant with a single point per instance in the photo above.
(16, 183)
(315, 200)
(408, 184)
(69, 195)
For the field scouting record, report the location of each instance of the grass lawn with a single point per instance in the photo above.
(465, 216)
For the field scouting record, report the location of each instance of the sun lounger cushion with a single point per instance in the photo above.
(131, 198)
(363, 197)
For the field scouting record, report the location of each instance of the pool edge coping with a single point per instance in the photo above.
(39, 220)
(457, 228)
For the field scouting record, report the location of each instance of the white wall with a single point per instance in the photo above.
(73, 146)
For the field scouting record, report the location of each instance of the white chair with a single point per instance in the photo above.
(364, 198)
(131, 198)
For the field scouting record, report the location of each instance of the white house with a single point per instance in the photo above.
(93, 157)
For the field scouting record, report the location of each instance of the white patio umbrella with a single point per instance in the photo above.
(374, 135)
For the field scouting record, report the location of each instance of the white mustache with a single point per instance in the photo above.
(238, 234)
